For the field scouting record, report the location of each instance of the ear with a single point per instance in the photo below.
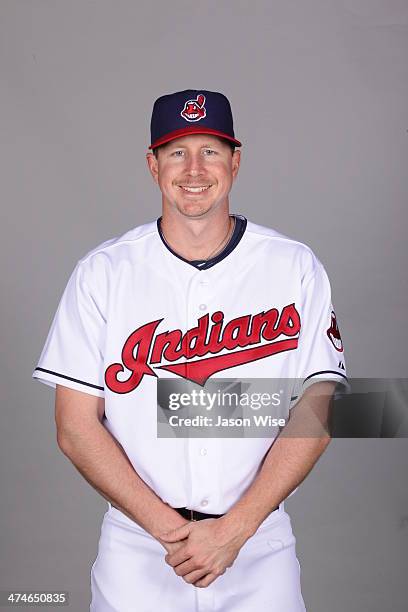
(236, 160)
(153, 165)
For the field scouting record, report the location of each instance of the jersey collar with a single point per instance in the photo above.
(240, 227)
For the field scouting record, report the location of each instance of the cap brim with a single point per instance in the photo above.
(193, 130)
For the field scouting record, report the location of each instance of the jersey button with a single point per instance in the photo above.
(203, 451)
(203, 306)
(204, 503)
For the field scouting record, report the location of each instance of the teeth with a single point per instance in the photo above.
(195, 189)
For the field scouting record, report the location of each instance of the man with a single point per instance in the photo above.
(193, 523)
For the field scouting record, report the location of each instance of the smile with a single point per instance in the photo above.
(195, 189)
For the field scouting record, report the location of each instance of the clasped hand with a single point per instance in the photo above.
(206, 549)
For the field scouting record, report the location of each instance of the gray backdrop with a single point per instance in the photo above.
(318, 91)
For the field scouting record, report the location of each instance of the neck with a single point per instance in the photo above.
(195, 238)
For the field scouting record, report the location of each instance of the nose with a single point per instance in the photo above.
(194, 164)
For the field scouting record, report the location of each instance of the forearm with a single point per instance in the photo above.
(103, 463)
(289, 460)
(286, 465)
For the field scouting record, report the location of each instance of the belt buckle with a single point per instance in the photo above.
(192, 516)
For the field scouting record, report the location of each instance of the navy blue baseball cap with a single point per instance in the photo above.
(192, 111)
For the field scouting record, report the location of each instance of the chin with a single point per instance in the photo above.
(193, 209)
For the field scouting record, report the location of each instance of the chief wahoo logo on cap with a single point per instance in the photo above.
(194, 110)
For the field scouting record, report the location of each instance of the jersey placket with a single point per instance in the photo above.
(202, 453)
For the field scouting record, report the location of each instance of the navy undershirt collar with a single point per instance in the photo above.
(204, 264)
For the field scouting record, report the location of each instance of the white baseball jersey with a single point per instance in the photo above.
(133, 312)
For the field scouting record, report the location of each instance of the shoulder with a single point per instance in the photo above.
(108, 253)
(282, 247)
(130, 238)
(96, 268)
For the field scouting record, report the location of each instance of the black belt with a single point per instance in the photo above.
(194, 515)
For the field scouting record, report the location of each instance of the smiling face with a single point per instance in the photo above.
(195, 173)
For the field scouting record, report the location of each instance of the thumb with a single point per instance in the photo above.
(177, 534)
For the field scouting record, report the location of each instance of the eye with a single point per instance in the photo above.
(210, 151)
(175, 153)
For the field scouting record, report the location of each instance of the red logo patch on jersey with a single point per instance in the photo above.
(334, 334)
(143, 348)
(194, 110)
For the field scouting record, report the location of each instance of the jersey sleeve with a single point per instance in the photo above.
(73, 354)
(321, 351)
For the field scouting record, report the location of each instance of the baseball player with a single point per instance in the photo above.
(193, 523)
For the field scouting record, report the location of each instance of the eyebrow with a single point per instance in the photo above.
(174, 146)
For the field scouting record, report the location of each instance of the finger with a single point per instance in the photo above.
(176, 534)
(172, 547)
(185, 568)
(195, 576)
(175, 558)
(206, 580)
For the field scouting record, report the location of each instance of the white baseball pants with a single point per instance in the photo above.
(131, 575)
